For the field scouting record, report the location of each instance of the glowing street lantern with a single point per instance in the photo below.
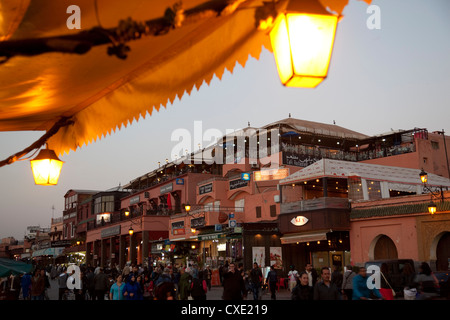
(302, 40)
(423, 176)
(46, 168)
(432, 208)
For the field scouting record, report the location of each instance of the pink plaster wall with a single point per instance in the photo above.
(401, 230)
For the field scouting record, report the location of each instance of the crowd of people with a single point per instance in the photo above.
(133, 282)
(351, 285)
(190, 282)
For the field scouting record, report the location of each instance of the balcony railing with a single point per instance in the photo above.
(315, 204)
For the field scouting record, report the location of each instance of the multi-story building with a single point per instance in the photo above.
(242, 196)
(325, 213)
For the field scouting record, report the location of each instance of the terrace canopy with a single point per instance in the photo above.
(405, 179)
(128, 59)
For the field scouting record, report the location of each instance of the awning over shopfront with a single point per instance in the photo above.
(8, 266)
(54, 252)
(117, 67)
(397, 177)
(303, 237)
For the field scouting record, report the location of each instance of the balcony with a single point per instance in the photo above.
(182, 225)
(315, 204)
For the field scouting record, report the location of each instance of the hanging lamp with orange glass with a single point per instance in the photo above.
(302, 40)
(46, 168)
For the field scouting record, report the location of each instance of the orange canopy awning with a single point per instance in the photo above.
(101, 93)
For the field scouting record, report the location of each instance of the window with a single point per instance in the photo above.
(239, 205)
(217, 205)
(355, 191)
(72, 230)
(273, 210)
(258, 212)
(104, 204)
(71, 202)
(435, 145)
(374, 189)
(208, 206)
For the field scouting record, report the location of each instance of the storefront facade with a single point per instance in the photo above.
(318, 234)
(401, 229)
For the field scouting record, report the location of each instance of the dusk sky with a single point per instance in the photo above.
(397, 77)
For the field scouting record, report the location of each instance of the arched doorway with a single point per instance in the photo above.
(385, 249)
(443, 252)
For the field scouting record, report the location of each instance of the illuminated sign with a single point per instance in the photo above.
(245, 176)
(299, 221)
(271, 174)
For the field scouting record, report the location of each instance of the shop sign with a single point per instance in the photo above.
(179, 181)
(178, 225)
(166, 188)
(271, 174)
(232, 223)
(197, 222)
(177, 232)
(299, 221)
(298, 160)
(245, 176)
(61, 243)
(134, 200)
(205, 189)
(211, 236)
(217, 227)
(113, 231)
(238, 183)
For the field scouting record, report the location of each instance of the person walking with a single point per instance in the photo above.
(302, 291)
(347, 283)
(223, 269)
(360, 289)
(256, 277)
(101, 285)
(198, 287)
(272, 280)
(46, 284)
(90, 283)
(116, 291)
(426, 283)
(184, 285)
(325, 289)
(408, 275)
(337, 278)
(132, 288)
(233, 284)
(312, 274)
(62, 284)
(37, 286)
(208, 276)
(293, 276)
(25, 283)
(386, 289)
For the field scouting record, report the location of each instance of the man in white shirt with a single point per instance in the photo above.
(292, 275)
(312, 275)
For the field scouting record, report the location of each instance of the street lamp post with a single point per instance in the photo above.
(432, 208)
